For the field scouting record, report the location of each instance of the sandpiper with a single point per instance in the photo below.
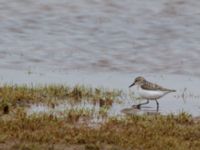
(149, 91)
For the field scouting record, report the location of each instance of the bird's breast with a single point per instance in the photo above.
(150, 94)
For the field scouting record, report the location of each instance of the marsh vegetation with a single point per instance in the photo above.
(85, 127)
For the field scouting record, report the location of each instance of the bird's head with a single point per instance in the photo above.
(138, 81)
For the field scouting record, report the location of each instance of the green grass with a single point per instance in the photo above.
(12, 96)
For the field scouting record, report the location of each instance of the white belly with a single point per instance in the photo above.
(150, 94)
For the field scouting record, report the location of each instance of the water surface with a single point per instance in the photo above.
(186, 99)
(159, 36)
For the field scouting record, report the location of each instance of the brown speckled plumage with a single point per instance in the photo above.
(151, 86)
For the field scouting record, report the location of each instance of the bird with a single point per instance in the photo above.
(149, 91)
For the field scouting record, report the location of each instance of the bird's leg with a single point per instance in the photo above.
(157, 104)
(139, 105)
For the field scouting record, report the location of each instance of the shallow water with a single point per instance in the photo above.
(100, 35)
(187, 97)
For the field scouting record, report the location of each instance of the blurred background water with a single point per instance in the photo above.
(160, 36)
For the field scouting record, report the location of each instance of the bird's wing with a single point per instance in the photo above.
(152, 86)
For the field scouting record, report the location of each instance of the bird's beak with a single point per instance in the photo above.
(132, 84)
